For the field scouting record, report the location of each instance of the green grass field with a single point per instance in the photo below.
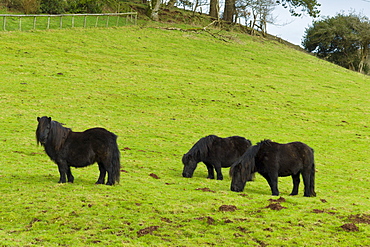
(160, 91)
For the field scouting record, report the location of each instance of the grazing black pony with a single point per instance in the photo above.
(79, 149)
(215, 152)
(273, 160)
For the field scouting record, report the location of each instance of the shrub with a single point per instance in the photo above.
(84, 6)
(52, 6)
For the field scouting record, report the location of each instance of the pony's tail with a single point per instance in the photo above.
(312, 177)
(115, 161)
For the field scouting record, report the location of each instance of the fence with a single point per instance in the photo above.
(29, 22)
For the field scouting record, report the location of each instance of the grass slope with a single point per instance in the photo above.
(160, 91)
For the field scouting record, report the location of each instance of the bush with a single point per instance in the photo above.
(30, 6)
(84, 6)
(52, 6)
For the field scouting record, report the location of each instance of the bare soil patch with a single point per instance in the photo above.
(350, 227)
(206, 190)
(227, 208)
(153, 176)
(275, 206)
(360, 218)
(147, 230)
(209, 219)
(281, 199)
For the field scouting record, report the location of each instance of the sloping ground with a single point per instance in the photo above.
(160, 91)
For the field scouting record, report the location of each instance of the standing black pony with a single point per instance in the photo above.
(215, 152)
(79, 149)
(273, 160)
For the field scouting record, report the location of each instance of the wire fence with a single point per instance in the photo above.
(41, 22)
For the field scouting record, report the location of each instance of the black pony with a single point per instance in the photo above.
(78, 149)
(273, 160)
(215, 152)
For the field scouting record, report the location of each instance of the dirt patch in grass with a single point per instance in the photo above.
(206, 190)
(360, 218)
(153, 176)
(275, 206)
(209, 219)
(350, 227)
(166, 220)
(227, 208)
(34, 220)
(281, 199)
(321, 211)
(147, 230)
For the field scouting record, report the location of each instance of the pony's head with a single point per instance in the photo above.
(238, 177)
(243, 170)
(189, 165)
(50, 132)
(43, 129)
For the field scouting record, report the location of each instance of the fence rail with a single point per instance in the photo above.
(28, 22)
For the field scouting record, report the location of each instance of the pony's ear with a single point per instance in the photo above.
(49, 118)
(38, 119)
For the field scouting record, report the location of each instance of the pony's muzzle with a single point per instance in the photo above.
(236, 189)
(186, 175)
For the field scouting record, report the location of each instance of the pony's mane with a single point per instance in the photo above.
(58, 134)
(246, 164)
(264, 142)
(202, 146)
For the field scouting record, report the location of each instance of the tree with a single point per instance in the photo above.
(343, 40)
(214, 9)
(257, 13)
(309, 6)
(229, 10)
(155, 9)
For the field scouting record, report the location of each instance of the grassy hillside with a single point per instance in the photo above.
(160, 91)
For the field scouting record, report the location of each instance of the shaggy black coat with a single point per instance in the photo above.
(273, 160)
(79, 149)
(215, 152)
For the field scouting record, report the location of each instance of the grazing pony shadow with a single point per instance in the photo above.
(79, 149)
(273, 160)
(215, 152)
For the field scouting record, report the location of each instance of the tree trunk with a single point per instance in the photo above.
(155, 10)
(229, 10)
(171, 3)
(364, 54)
(214, 9)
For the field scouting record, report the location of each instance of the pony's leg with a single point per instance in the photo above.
(218, 171)
(103, 171)
(70, 177)
(110, 177)
(272, 180)
(63, 168)
(211, 174)
(296, 181)
(307, 183)
(109, 170)
(312, 181)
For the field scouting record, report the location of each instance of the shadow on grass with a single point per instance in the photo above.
(49, 179)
